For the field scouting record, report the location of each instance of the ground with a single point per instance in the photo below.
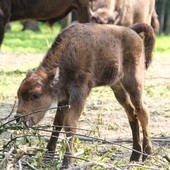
(103, 116)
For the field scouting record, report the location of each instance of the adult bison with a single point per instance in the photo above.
(12, 10)
(84, 56)
(124, 12)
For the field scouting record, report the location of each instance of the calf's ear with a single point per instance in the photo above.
(29, 73)
(56, 76)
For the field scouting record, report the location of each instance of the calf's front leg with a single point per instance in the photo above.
(70, 126)
(77, 101)
(58, 124)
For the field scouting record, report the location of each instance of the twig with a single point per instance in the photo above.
(29, 165)
(20, 165)
(158, 78)
(126, 140)
(13, 139)
(161, 140)
(37, 111)
(19, 155)
(167, 158)
(93, 138)
(7, 156)
(88, 130)
(156, 85)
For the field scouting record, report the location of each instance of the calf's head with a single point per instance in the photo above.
(35, 94)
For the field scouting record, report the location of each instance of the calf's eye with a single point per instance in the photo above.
(35, 96)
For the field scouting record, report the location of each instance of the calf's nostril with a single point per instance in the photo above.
(17, 118)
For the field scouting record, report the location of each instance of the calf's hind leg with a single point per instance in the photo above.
(134, 87)
(124, 99)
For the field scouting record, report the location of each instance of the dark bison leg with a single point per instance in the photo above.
(58, 123)
(123, 98)
(2, 30)
(83, 11)
(5, 10)
(134, 87)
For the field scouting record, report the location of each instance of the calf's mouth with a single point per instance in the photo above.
(29, 122)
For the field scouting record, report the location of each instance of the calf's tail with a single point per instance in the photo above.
(146, 32)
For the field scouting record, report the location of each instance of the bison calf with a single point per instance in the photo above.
(84, 56)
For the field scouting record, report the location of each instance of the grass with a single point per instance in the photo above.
(17, 41)
(10, 80)
(162, 48)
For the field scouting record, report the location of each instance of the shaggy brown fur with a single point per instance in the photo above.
(84, 56)
(125, 12)
(12, 10)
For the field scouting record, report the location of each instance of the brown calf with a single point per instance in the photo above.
(84, 56)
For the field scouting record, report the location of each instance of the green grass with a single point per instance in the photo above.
(38, 42)
(18, 41)
(162, 48)
(10, 78)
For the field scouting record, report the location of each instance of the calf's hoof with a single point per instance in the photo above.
(48, 157)
(66, 162)
(135, 157)
(147, 152)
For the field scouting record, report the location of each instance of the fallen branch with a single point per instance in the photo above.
(105, 141)
(124, 140)
(37, 111)
(167, 158)
(29, 165)
(150, 78)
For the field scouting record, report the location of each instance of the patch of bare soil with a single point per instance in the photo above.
(103, 116)
(14, 60)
